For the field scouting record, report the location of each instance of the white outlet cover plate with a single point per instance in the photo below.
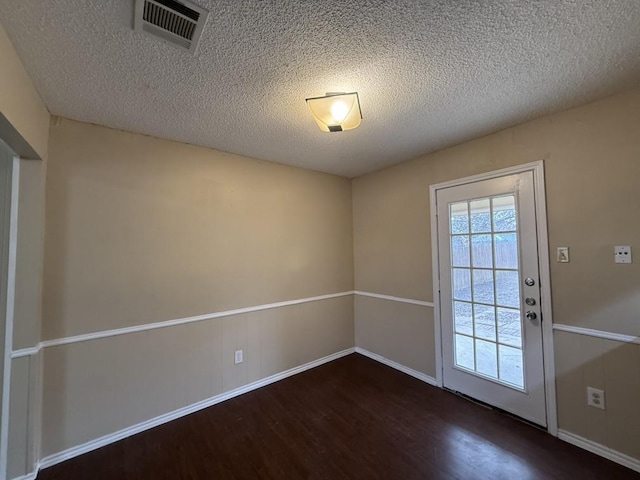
(595, 398)
(622, 253)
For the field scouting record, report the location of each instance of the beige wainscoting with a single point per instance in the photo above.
(24, 421)
(18, 421)
(99, 387)
(584, 361)
(396, 330)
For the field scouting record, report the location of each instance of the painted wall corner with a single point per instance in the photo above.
(24, 121)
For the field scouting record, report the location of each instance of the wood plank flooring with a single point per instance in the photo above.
(349, 419)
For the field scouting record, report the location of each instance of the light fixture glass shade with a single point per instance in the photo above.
(336, 112)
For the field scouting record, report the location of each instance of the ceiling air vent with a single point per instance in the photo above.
(177, 22)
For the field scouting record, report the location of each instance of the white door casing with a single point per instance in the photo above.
(531, 396)
(9, 182)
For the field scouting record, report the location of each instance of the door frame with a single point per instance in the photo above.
(9, 311)
(545, 277)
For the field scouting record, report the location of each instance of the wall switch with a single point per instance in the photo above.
(238, 357)
(595, 398)
(563, 255)
(622, 253)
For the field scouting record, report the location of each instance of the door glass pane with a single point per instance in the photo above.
(508, 288)
(463, 318)
(461, 284)
(504, 213)
(480, 216)
(460, 251)
(509, 327)
(483, 286)
(511, 365)
(459, 217)
(506, 246)
(486, 358)
(482, 251)
(485, 321)
(464, 352)
(486, 289)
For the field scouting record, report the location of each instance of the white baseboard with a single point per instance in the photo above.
(606, 452)
(409, 371)
(154, 422)
(28, 476)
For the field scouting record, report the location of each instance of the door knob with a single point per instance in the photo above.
(531, 315)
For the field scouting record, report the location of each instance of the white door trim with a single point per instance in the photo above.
(8, 340)
(545, 277)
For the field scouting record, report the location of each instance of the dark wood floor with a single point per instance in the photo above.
(350, 419)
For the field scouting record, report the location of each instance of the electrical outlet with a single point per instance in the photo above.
(563, 255)
(595, 398)
(238, 357)
(622, 254)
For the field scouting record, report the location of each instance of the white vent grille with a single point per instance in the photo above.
(177, 22)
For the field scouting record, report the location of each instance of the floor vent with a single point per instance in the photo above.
(177, 22)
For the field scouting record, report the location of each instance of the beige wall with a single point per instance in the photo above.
(29, 254)
(142, 230)
(24, 126)
(592, 162)
(21, 108)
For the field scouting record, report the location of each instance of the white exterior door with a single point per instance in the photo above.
(490, 315)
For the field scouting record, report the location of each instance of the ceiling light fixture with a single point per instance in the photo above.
(336, 112)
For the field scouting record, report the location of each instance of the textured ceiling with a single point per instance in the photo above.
(430, 74)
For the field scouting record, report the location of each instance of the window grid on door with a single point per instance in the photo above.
(485, 284)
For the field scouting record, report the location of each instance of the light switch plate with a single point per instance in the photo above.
(622, 254)
(562, 255)
(238, 357)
